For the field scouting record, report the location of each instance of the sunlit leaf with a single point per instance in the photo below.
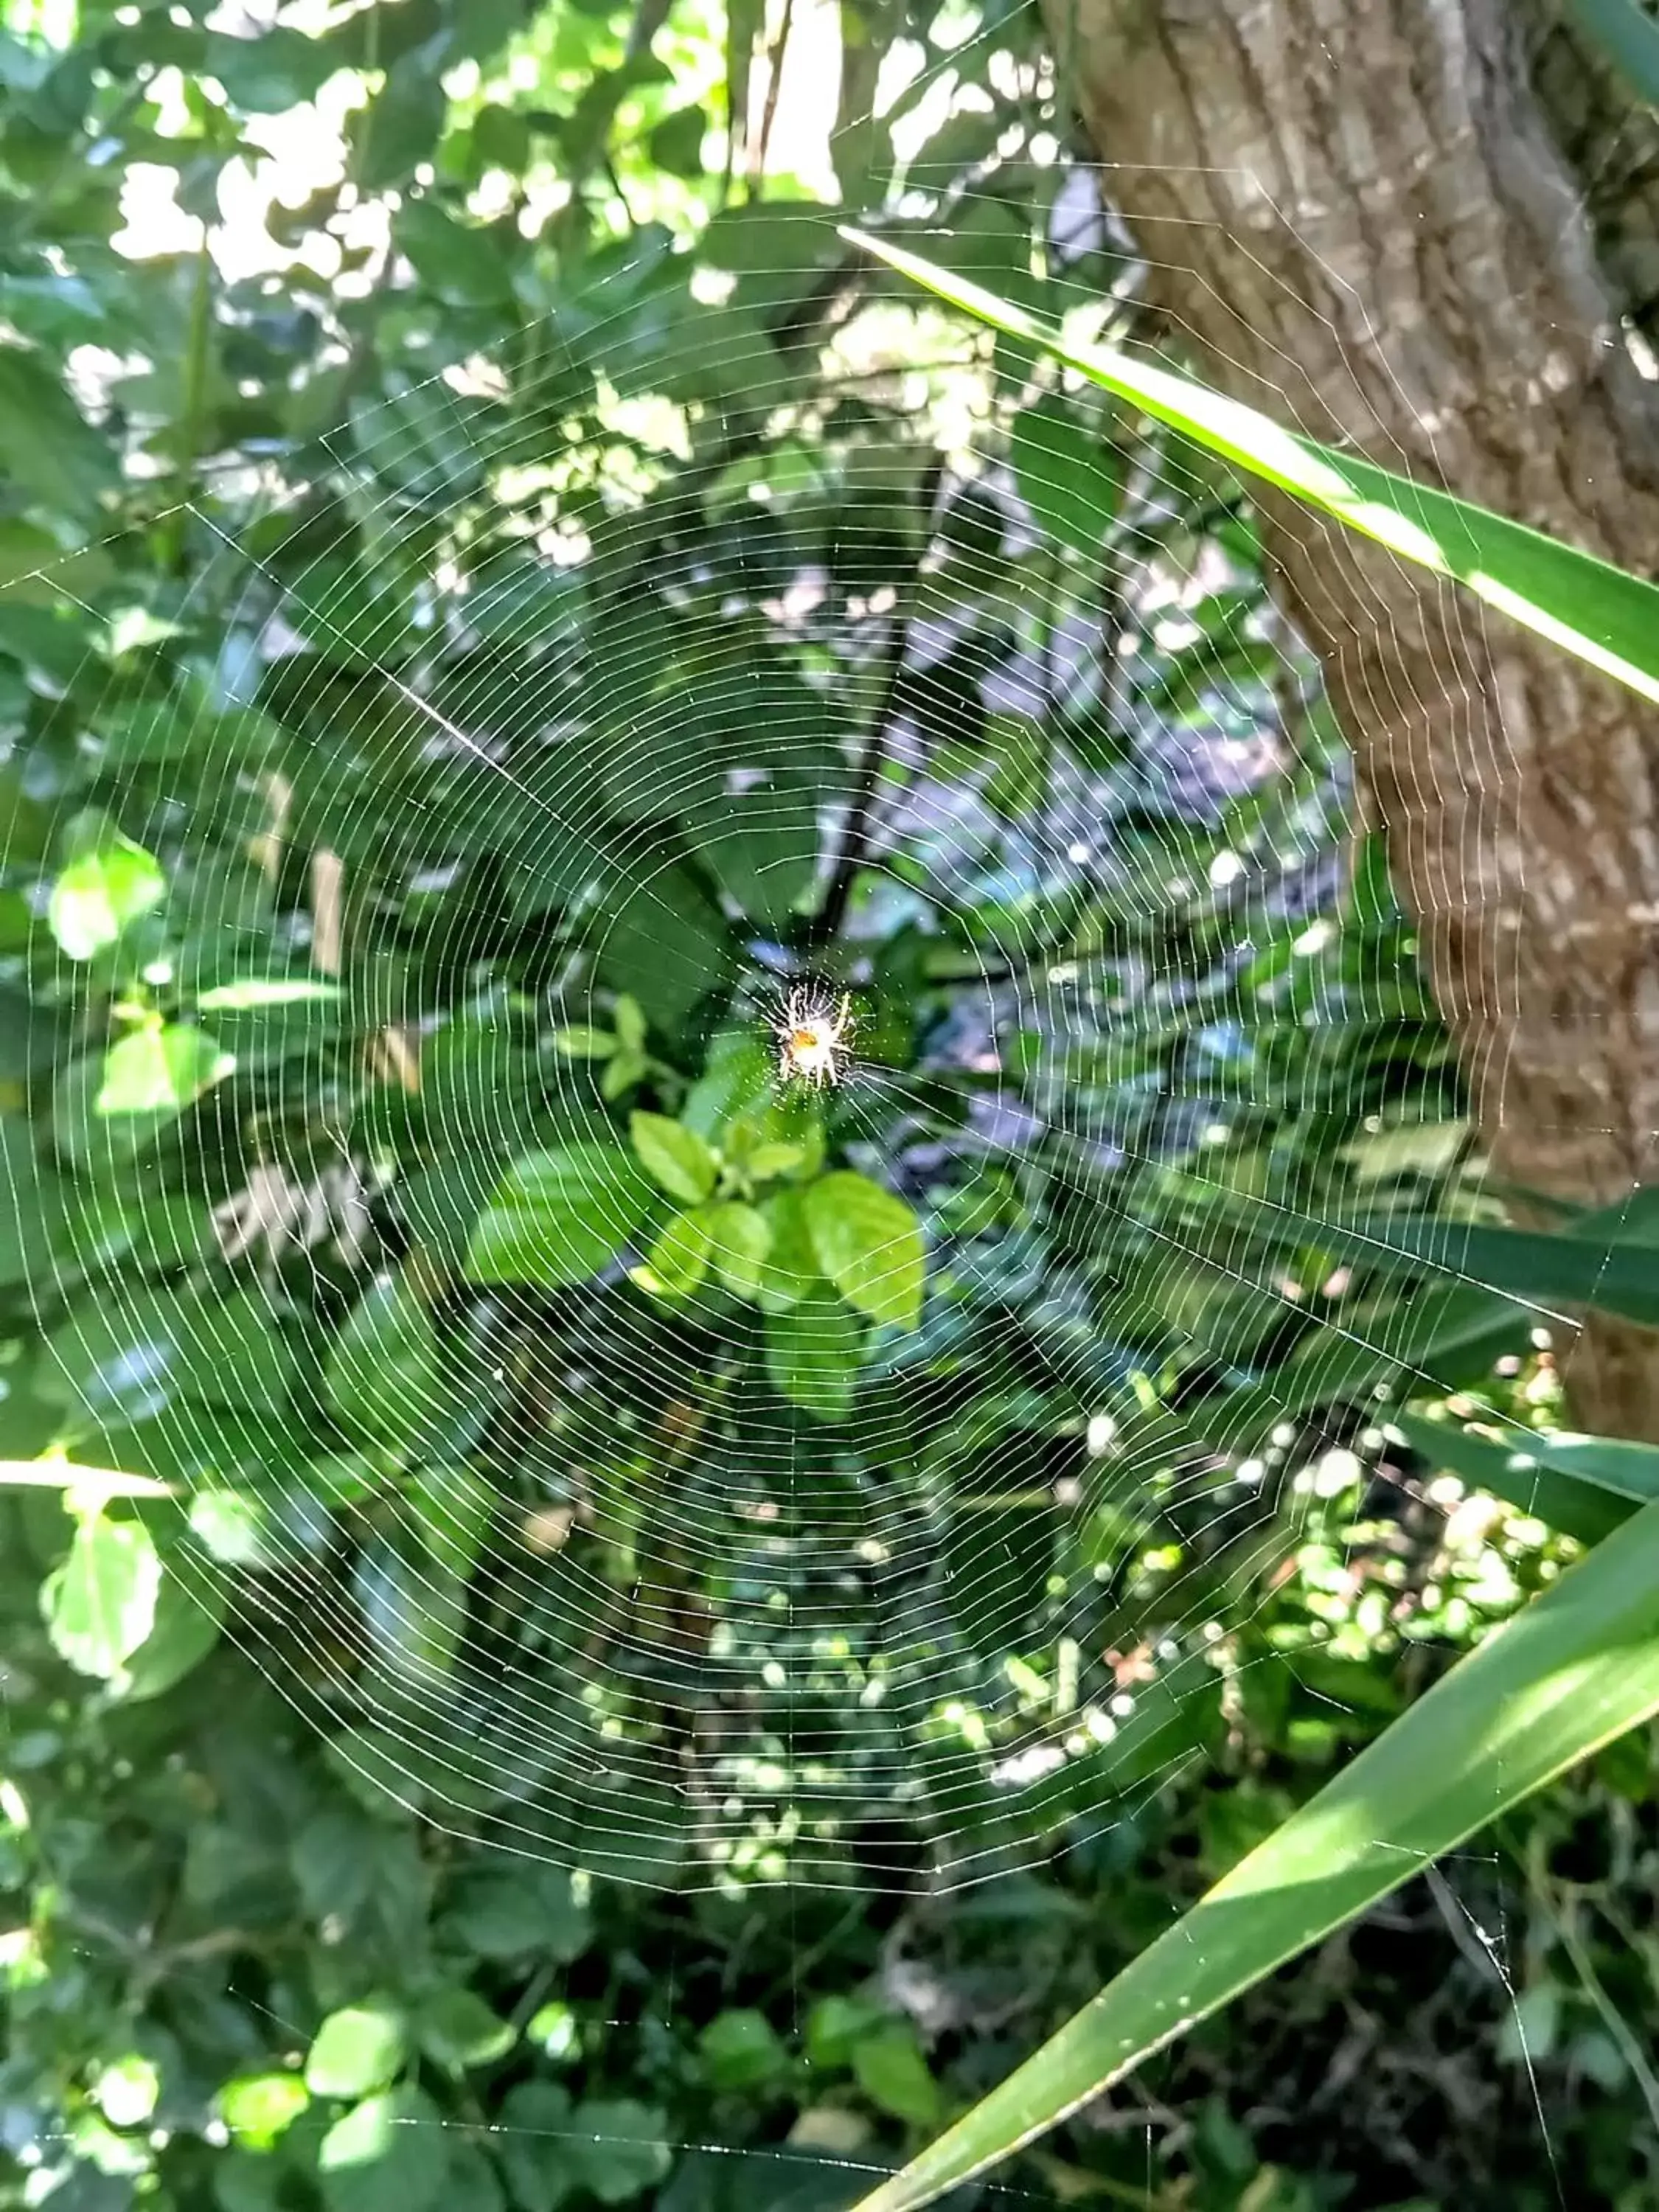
(869, 1243)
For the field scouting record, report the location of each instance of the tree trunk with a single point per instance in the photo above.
(1355, 212)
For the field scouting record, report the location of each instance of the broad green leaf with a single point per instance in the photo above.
(812, 1355)
(189, 1613)
(257, 2108)
(159, 1070)
(1577, 1668)
(452, 1508)
(271, 73)
(101, 891)
(665, 943)
(889, 2067)
(742, 2050)
(679, 1261)
(33, 1204)
(401, 126)
(1588, 606)
(459, 263)
(738, 1241)
(772, 1159)
(355, 2050)
(382, 1378)
(869, 1244)
(620, 2147)
(457, 2029)
(535, 2147)
(506, 1912)
(385, 2155)
(133, 1354)
(47, 447)
(735, 1086)
(1585, 1486)
(556, 1216)
(580, 1041)
(100, 1604)
(676, 1158)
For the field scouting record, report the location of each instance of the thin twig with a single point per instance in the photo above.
(774, 62)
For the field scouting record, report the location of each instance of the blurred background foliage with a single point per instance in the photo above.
(588, 1687)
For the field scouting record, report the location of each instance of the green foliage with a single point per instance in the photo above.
(522, 1527)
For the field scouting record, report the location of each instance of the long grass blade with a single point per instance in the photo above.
(1584, 605)
(1576, 1669)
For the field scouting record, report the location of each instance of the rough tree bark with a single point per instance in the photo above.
(1357, 212)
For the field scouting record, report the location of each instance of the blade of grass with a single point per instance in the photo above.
(1587, 605)
(1585, 1486)
(1627, 37)
(1564, 1677)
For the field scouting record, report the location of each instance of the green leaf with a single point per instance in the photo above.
(497, 1914)
(869, 1243)
(1585, 1486)
(100, 1604)
(414, 1611)
(134, 1354)
(536, 2147)
(735, 1086)
(457, 2029)
(738, 1241)
(890, 2069)
(679, 1261)
(577, 1041)
(401, 127)
(257, 2108)
(385, 2155)
(1064, 474)
(46, 446)
(675, 1157)
(675, 143)
(666, 944)
(812, 1355)
(101, 892)
(354, 2051)
(382, 1378)
(557, 1217)
(190, 1615)
(1588, 606)
(1552, 1687)
(268, 75)
(742, 2050)
(459, 263)
(619, 2148)
(159, 1070)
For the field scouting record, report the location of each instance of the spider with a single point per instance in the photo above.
(813, 1033)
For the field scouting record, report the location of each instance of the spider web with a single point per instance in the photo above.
(843, 1704)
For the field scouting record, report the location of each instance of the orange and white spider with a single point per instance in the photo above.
(812, 1034)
